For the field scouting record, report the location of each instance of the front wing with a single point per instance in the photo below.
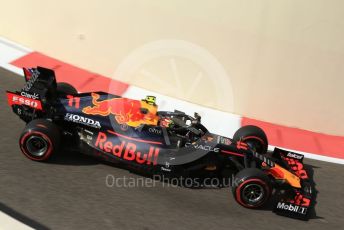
(298, 203)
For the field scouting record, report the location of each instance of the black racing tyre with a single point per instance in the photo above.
(65, 89)
(254, 136)
(251, 188)
(39, 139)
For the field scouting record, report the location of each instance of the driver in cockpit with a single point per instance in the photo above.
(148, 110)
(150, 100)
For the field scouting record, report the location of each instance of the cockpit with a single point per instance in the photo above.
(177, 123)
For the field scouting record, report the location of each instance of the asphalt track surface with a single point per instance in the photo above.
(70, 192)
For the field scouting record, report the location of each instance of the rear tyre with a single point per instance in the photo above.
(254, 136)
(252, 188)
(64, 89)
(39, 140)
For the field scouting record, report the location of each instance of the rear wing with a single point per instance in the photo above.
(37, 93)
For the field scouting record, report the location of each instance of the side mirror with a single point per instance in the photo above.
(197, 117)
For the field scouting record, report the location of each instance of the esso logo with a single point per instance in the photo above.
(25, 101)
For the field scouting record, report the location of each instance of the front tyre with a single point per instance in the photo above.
(252, 188)
(39, 140)
(254, 136)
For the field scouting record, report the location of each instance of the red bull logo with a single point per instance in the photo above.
(125, 110)
(127, 150)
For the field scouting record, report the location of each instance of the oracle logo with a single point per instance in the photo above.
(31, 81)
(202, 147)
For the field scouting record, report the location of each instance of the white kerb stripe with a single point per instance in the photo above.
(10, 51)
(7, 222)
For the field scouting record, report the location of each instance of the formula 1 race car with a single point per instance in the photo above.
(141, 138)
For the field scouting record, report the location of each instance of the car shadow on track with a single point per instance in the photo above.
(68, 157)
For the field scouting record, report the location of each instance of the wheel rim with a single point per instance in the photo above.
(36, 146)
(253, 193)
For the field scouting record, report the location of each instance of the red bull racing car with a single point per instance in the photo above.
(141, 138)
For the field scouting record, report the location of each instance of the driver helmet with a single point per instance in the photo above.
(150, 100)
